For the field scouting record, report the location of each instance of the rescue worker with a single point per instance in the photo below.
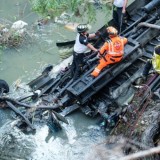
(81, 46)
(155, 64)
(111, 52)
(119, 10)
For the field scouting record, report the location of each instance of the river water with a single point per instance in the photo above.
(25, 63)
(21, 62)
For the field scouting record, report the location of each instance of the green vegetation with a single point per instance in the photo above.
(55, 8)
(10, 39)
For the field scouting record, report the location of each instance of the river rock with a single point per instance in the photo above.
(19, 25)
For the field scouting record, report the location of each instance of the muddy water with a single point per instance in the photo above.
(25, 63)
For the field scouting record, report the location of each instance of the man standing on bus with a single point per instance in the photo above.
(119, 9)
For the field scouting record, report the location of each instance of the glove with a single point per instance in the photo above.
(96, 52)
(98, 56)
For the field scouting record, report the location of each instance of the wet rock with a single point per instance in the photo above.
(19, 25)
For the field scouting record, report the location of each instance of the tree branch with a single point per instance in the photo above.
(141, 154)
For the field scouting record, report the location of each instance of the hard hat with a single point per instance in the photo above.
(157, 49)
(112, 31)
(82, 28)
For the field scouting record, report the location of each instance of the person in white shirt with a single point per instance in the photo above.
(81, 46)
(119, 9)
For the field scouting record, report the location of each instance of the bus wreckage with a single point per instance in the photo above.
(106, 95)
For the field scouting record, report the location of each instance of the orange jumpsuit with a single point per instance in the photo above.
(111, 52)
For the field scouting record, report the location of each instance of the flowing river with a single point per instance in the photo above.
(23, 64)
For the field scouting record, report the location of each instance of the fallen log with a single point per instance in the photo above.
(28, 105)
(15, 102)
(19, 113)
(32, 95)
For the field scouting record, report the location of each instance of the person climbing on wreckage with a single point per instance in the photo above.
(153, 63)
(81, 46)
(111, 52)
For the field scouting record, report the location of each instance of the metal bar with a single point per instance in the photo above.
(19, 113)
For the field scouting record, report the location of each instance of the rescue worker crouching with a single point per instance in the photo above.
(111, 52)
(80, 47)
(153, 63)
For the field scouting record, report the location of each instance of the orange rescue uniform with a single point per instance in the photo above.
(111, 52)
